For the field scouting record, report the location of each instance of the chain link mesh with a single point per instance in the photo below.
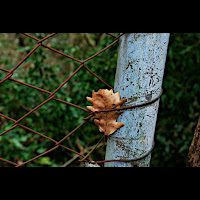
(51, 97)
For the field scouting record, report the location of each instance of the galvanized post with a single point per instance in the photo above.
(139, 76)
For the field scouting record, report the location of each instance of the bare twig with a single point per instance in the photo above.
(82, 151)
(95, 146)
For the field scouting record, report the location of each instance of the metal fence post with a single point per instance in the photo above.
(139, 76)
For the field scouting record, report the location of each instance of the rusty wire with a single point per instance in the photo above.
(52, 97)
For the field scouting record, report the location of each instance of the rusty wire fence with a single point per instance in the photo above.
(52, 96)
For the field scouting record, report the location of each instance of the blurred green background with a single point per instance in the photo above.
(178, 110)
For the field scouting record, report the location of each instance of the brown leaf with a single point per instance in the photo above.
(105, 100)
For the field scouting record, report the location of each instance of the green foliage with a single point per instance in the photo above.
(180, 103)
(178, 112)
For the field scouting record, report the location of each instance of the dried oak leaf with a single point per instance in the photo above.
(105, 100)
